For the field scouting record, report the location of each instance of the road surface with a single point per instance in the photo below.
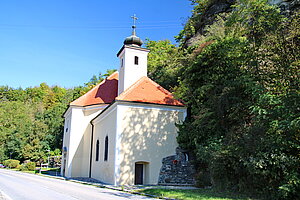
(15, 185)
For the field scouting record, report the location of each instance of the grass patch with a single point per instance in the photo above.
(203, 194)
(27, 171)
(31, 172)
(50, 171)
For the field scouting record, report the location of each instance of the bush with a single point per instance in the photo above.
(22, 167)
(10, 163)
(29, 166)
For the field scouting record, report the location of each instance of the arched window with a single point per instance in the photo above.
(106, 149)
(136, 60)
(97, 150)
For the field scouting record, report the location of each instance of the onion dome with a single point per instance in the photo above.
(133, 39)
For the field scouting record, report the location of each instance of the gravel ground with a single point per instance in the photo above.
(88, 180)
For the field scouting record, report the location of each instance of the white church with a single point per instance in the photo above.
(120, 130)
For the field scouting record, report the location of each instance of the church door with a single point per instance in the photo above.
(139, 174)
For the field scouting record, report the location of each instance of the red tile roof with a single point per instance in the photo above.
(144, 90)
(103, 93)
(147, 91)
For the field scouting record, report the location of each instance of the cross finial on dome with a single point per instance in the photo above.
(134, 26)
(133, 39)
(134, 19)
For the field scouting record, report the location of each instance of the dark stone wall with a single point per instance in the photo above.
(177, 170)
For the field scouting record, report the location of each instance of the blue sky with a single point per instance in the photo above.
(66, 42)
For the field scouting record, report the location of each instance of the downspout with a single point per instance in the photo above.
(91, 153)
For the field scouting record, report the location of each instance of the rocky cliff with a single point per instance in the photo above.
(218, 7)
(287, 6)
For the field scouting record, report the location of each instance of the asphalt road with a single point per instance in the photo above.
(15, 185)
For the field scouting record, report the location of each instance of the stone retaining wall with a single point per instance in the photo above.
(177, 170)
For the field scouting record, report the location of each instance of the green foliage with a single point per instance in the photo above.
(31, 119)
(254, 18)
(97, 79)
(164, 62)
(56, 152)
(190, 28)
(28, 166)
(241, 82)
(11, 163)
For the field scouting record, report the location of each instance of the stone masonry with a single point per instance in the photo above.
(177, 170)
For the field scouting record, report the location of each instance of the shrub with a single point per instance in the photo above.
(28, 166)
(10, 163)
(22, 167)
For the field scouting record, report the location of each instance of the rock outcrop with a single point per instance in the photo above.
(218, 7)
(287, 6)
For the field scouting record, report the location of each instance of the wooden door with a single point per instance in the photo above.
(139, 174)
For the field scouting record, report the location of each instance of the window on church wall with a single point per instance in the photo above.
(67, 126)
(97, 150)
(136, 60)
(106, 149)
(122, 62)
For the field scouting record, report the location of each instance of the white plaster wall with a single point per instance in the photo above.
(129, 73)
(121, 73)
(66, 142)
(105, 125)
(85, 152)
(145, 134)
(78, 140)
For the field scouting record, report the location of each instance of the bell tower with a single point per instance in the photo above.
(133, 60)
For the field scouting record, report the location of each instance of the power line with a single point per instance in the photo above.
(20, 26)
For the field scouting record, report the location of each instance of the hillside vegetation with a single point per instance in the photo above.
(238, 73)
(31, 119)
(240, 80)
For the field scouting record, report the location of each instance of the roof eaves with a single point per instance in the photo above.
(91, 122)
(137, 102)
(140, 102)
(132, 47)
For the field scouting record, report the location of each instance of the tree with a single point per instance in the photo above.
(243, 87)
(164, 63)
(31, 120)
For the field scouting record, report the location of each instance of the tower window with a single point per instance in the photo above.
(97, 150)
(106, 149)
(122, 62)
(136, 60)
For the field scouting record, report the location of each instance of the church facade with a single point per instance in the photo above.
(120, 130)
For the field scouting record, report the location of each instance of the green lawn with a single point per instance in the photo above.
(44, 170)
(203, 194)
